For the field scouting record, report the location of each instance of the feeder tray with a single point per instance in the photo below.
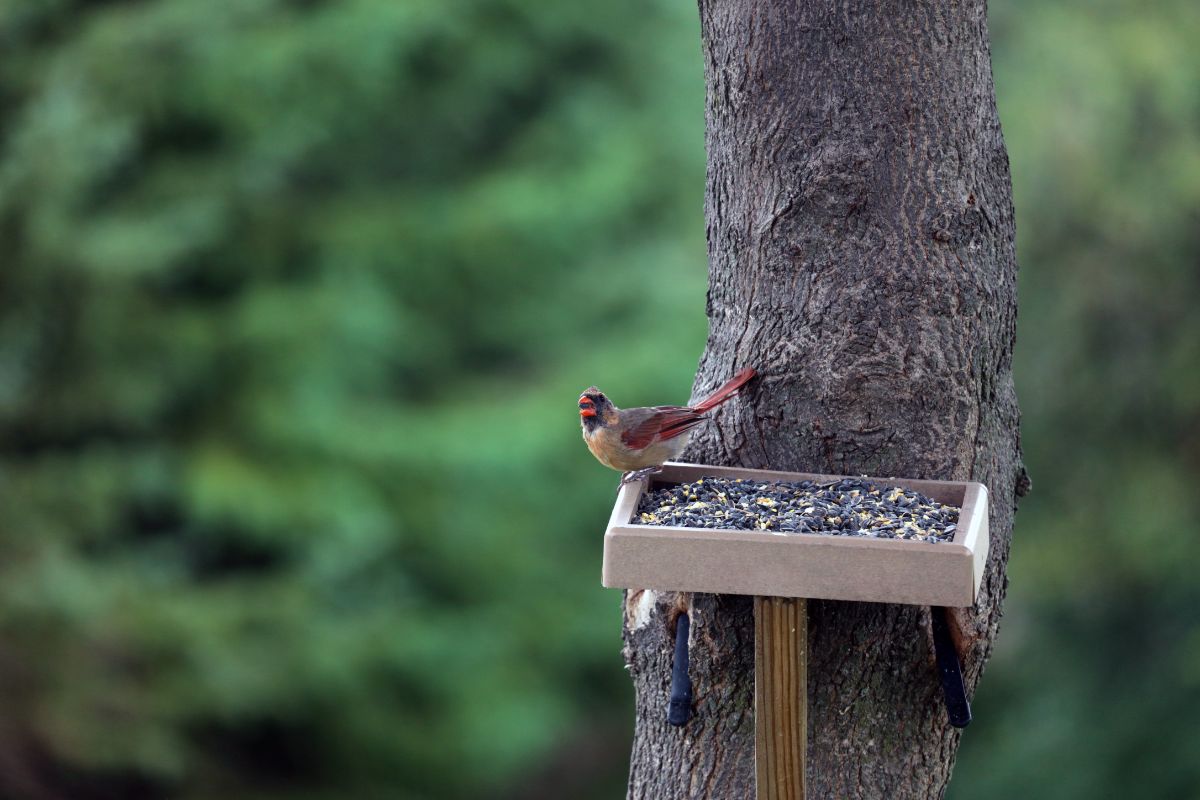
(783, 569)
(808, 565)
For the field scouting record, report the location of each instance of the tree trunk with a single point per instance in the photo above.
(861, 246)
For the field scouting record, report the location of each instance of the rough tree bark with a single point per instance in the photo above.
(861, 244)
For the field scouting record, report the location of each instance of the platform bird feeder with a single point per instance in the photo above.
(781, 570)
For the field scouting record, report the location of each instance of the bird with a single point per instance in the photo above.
(637, 441)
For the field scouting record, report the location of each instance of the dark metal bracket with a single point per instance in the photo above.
(958, 708)
(679, 708)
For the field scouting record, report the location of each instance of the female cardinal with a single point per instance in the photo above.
(639, 440)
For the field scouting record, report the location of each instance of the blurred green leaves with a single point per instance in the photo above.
(1088, 694)
(292, 294)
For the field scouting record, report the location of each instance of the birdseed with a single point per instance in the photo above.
(846, 507)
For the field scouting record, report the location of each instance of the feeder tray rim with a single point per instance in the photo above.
(966, 531)
(800, 564)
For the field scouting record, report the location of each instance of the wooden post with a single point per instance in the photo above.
(780, 697)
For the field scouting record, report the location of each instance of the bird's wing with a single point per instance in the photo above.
(661, 422)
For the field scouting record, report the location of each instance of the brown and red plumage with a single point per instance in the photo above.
(638, 440)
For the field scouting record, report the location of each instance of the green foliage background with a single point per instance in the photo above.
(295, 298)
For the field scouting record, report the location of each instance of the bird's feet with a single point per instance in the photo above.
(637, 474)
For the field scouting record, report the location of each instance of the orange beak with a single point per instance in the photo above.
(586, 409)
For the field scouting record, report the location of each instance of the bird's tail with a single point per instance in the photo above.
(726, 391)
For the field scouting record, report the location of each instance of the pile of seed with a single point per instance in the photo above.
(847, 507)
